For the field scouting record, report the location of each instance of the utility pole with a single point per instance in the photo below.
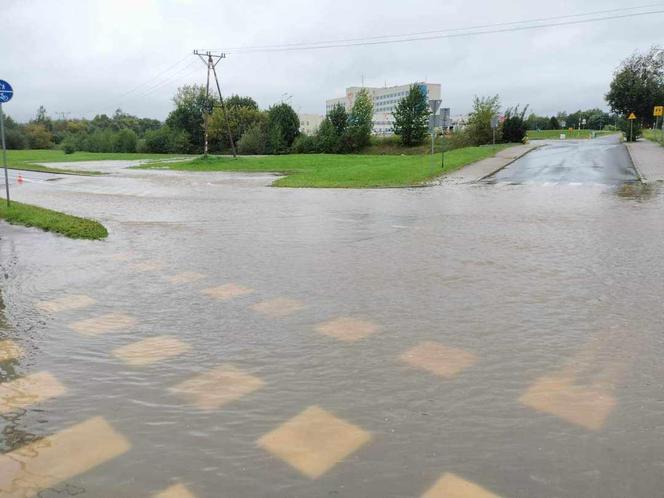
(211, 60)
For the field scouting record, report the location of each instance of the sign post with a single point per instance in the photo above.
(6, 94)
(434, 104)
(494, 125)
(631, 118)
(658, 112)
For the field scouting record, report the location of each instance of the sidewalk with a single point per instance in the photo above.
(476, 171)
(648, 159)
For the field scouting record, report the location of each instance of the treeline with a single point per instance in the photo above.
(591, 119)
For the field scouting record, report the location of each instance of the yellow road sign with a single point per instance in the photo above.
(631, 116)
(658, 111)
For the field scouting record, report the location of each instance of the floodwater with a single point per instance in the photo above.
(232, 340)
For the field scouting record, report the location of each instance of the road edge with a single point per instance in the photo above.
(511, 161)
(642, 178)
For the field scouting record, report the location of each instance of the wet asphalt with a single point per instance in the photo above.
(230, 339)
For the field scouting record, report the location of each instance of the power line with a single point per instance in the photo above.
(441, 34)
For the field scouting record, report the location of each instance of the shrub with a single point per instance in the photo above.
(125, 141)
(68, 146)
(283, 126)
(15, 139)
(411, 116)
(514, 128)
(305, 144)
(253, 141)
(479, 122)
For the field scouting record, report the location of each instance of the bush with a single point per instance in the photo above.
(159, 141)
(125, 141)
(253, 141)
(514, 128)
(15, 139)
(327, 138)
(68, 146)
(626, 128)
(305, 144)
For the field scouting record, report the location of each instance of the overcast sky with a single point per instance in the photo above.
(93, 56)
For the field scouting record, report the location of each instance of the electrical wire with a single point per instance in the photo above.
(447, 33)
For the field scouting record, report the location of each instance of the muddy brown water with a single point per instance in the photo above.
(508, 336)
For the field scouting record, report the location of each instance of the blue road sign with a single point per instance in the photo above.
(6, 92)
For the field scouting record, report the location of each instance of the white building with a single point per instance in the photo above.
(309, 123)
(384, 101)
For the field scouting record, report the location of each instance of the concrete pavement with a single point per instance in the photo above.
(481, 169)
(648, 159)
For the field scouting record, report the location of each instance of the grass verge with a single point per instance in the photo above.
(654, 136)
(26, 160)
(51, 221)
(573, 135)
(342, 170)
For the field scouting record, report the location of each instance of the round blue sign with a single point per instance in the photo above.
(6, 92)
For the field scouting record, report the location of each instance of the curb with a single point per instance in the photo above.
(508, 163)
(642, 178)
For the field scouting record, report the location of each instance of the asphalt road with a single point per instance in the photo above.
(601, 161)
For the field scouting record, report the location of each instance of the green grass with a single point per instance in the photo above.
(575, 135)
(26, 159)
(51, 221)
(654, 136)
(342, 170)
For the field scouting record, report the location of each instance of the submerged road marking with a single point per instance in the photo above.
(314, 441)
(217, 387)
(25, 391)
(9, 350)
(151, 350)
(44, 463)
(581, 392)
(186, 277)
(278, 307)
(103, 324)
(227, 291)
(71, 302)
(438, 359)
(175, 491)
(453, 486)
(347, 329)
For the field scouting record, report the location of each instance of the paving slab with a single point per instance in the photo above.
(476, 171)
(648, 159)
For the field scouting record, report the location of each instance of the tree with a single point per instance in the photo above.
(38, 136)
(125, 141)
(479, 121)
(514, 128)
(254, 140)
(237, 101)
(638, 85)
(283, 126)
(554, 124)
(191, 105)
(339, 118)
(240, 119)
(411, 116)
(360, 122)
(327, 137)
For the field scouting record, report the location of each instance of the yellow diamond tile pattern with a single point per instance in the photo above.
(438, 359)
(71, 302)
(314, 441)
(44, 463)
(175, 491)
(29, 390)
(227, 291)
(146, 266)
(279, 307)
(186, 277)
(453, 486)
(585, 405)
(104, 323)
(149, 351)
(9, 350)
(217, 387)
(347, 329)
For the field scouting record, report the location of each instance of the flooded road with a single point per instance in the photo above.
(600, 161)
(234, 340)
